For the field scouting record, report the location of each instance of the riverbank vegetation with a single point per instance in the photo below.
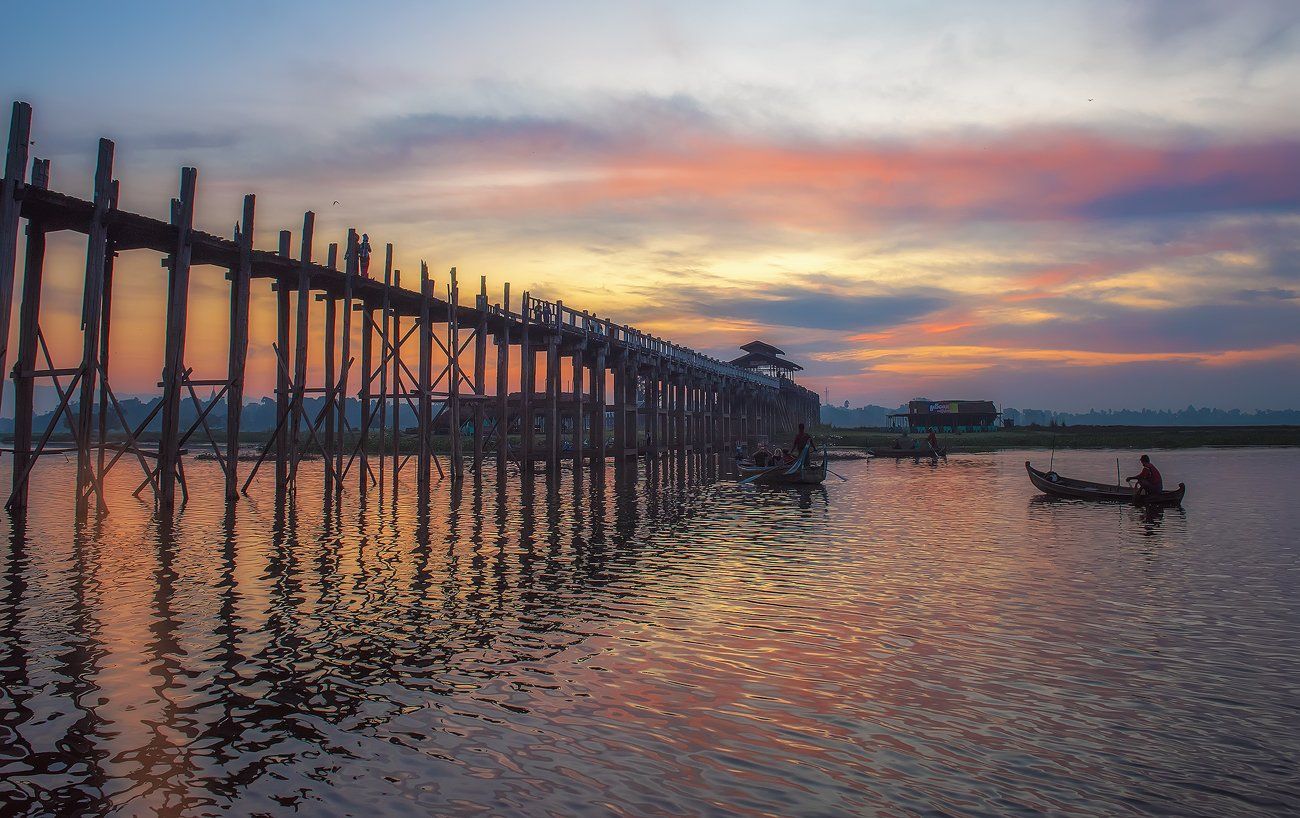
(1082, 437)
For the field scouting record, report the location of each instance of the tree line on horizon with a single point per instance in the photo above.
(873, 416)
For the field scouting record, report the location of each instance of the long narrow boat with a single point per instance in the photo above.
(800, 473)
(905, 453)
(1050, 482)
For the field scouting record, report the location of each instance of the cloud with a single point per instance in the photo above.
(668, 160)
(185, 140)
(793, 307)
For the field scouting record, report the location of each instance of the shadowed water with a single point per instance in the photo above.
(926, 637)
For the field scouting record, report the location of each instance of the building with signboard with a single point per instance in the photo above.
(925, 415)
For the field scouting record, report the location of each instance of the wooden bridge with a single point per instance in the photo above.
(418, 349)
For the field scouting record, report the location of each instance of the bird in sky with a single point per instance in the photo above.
(336, 201)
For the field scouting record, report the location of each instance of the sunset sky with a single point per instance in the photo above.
(1064, 205)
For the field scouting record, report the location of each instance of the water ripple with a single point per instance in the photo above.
(925, 638)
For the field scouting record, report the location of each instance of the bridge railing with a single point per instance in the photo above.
(554, 313)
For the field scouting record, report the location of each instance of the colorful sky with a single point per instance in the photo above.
(1066, 205)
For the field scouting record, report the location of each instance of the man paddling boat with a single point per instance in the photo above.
(800, 441)
(1148, 480)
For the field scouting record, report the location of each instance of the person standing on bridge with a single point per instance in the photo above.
(363, 253)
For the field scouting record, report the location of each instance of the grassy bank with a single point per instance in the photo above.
(1085, 437)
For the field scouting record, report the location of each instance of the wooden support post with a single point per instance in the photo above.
(625, 394)
(24, 382)
(386, 350)
(282, 374)
(503, 382)
(598, 407)
(396, 387)
(240, 279)
(578, 416)
(96, 254)
(680, 398)
(454, 375)
(553, 386)
(330, 407)
(105, 325)
(350, 263)
(666, 394)
(178, 295)
(652, 406)
(527, 384)
(480, 374)
(618, 404)
(302, 324)
(367, 368)
(425, 420)
(20, 128)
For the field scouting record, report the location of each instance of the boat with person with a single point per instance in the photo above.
(801, 472)
(1049, 482)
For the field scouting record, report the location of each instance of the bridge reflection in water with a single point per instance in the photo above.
(173, 664)
(652, 640)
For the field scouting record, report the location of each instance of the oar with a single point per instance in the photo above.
(826, 464)
(763, 473)
(800, 460)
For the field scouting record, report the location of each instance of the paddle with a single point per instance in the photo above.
(800, 460)
(826, 464)
(763, 473)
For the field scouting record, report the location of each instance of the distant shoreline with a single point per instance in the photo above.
(1082, 437)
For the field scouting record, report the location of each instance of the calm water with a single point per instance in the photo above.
(921, 639)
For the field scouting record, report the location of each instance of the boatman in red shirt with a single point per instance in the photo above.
(1148, 480)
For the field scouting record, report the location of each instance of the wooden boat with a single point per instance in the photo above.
(802, 472)
(902, 453)
(1058, 486)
